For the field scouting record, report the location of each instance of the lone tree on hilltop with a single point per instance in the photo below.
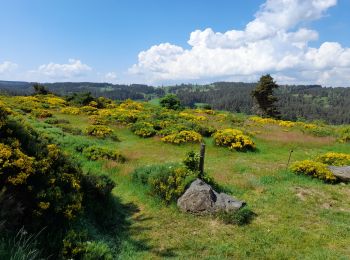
(263, 94)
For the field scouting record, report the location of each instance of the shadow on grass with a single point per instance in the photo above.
(125, 230)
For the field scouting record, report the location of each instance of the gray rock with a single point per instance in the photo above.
(341, 172)
(200, 198)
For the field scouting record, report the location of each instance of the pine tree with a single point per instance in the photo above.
(263, 94)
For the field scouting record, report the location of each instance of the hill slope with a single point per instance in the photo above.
(296, 216)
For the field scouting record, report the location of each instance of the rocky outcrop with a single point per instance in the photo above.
(200, 198)
(341, 172)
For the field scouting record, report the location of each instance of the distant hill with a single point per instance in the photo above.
(310, 102)
(113, 91)
(296, 102)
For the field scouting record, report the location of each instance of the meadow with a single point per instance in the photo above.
(296, 216)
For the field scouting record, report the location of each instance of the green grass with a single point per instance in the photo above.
(297, 217)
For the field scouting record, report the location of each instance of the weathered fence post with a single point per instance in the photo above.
(201, 160)
(290, 155)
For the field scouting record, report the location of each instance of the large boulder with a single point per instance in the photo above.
(200, 198)
(341, 172)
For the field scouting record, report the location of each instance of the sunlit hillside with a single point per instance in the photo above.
(74, 173)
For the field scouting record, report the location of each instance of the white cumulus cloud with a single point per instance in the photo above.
(7, 66)
(111, 77)
(73, 69)
(276, 41)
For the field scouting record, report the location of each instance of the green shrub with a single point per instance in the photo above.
(344, 134)
(240, 217)
(143, 129)
(55, 121)
(102, 153)
(170, 101)
(167, 181)
(100, 131)
(97, 186)
(337, 159)
(97, 250)
(97, 120)
(314, 169)
(70, 129)
(191, 161)
(74, 244)
(41, 113)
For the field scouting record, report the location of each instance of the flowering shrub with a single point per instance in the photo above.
(97, 120)
(41, 113)
(89, 110)
(143, 129)
(315, 169)
(166, 181)
(344, 134)
(234, 139)
(184, 136)
(39, 176)
(100, 131)
(101, 153)
(55, 101)
(337, 159)
(131, 105)
(70, 110)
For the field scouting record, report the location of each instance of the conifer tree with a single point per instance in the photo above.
(263, 95)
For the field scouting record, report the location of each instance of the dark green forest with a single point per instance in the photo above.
(295, 102)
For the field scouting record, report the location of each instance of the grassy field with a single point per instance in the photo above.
(297, 217)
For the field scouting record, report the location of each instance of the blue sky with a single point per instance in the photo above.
(63, 40)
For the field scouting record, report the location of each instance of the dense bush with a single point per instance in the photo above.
(97, 186)
(337, 159)
(70, 129)
(170, 101)
(41, 113)
(39, 176)
(102, 153)
(143, 129)
(166, 181)
(191, 161)
(100, 131)
(315, 169)
(70, 110)
(55, 121)
(97, 120)
(234, 139)
(184, 136)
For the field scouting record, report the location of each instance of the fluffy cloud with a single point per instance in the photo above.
(111, 77)
(273, 42)
(72, 69)
(7, 66)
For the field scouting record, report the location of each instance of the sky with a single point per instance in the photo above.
(162, 42)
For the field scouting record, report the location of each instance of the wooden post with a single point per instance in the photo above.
(290, 155)
(201, 161)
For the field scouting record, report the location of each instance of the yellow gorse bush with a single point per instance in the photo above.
(55, 101)
(131, 105)
(234, 139)
(70, 110)
(100, 131)
(337, 159)
(184, 136)
(315, 169)
(15, 165)
(171, 186)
